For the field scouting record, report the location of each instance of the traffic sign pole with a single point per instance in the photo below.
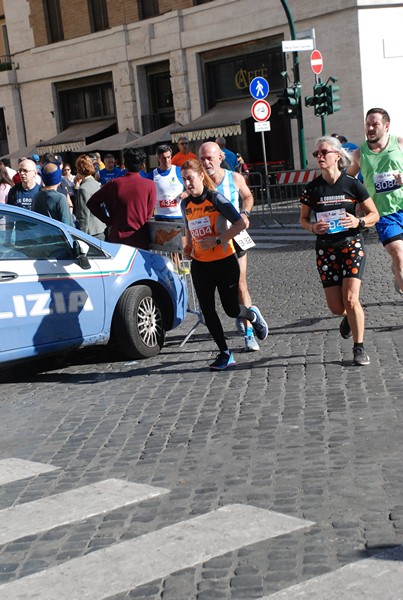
(261, 111)
(301, 135)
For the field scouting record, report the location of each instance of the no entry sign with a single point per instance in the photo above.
(316, 62)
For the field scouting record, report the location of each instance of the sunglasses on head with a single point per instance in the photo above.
(323, 152)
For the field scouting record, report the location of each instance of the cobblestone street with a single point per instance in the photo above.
(294, 429)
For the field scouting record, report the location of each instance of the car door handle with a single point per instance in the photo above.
(7, 275)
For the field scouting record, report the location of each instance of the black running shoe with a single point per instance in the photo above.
(223, 361)
(360, 357)
(345, 329)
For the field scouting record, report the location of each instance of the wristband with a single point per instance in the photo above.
(245, 212)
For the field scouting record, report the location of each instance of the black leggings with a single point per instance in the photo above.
(222, 275)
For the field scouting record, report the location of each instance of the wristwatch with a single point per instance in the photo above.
(362, 225)
(245, 212)
(218, 241)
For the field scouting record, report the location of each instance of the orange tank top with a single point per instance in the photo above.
(204, 220)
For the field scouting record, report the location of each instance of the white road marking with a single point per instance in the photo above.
(41, 515)
(377, 578)
(123, 567)
(14, 469)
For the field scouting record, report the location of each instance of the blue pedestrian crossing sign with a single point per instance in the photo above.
(259, 88)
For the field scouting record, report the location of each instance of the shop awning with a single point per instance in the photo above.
(27, 151)
(155, 137)
(113, 142)
(223, 120)
(74, 138)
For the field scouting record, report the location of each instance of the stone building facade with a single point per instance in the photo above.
(102, 66)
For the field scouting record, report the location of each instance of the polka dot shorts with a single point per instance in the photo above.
(335, 263)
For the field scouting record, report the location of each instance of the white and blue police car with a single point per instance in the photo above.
(63, 289)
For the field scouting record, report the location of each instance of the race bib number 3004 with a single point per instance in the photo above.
(385, 182)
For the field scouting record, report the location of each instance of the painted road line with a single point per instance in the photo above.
(127, 565)
(41, 515)
(377, 578)
(14, 469)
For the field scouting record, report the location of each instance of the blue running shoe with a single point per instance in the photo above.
(240, 326)
(251, 344)
(223, 361)
(259, 325)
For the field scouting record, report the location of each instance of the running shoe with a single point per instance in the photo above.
(399, 291)
(240, 325)
(251, 344)
(396, 286)
(223, 361)
(259, 325)
(345, 329)
(360, 357)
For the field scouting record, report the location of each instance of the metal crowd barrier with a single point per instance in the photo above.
(285, 189)
(166, 239)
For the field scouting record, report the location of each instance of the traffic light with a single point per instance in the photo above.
(291, 96)
(332, 98)
(320, 92)
(319, 99)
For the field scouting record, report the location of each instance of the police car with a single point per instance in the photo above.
(61, 288)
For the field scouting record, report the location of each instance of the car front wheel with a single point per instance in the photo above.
(138, 327)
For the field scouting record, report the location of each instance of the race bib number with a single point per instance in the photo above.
(244, 240)
(199, 228)
(385, 182)
(169, 203)
(333, 218)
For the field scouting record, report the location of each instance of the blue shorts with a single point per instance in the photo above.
(390, 227)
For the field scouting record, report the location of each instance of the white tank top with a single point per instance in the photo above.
(168, 188)
(228, 189)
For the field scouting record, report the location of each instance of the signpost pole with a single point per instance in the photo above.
(301, 136)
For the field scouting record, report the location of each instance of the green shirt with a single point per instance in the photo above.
(377, 169)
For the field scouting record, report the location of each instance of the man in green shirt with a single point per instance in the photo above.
(380, 158)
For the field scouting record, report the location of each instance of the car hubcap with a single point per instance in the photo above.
(149, 322)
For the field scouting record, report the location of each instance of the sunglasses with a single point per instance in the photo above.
(324, 152)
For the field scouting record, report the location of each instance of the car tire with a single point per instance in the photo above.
(138, 328)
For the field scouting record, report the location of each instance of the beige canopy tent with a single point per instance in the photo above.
(27, 151)
(224, 119)
(158, 136)
(76, 137)
(113, 142)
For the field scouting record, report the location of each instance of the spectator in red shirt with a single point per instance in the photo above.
(126, 204)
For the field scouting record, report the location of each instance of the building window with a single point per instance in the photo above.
(85, 103)
(98, 15)
(5, 42)
(197, 2)
(53, 18)
(148, 9)
(161, 110)
(3, 134)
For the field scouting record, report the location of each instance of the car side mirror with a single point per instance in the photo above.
(80, 250)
